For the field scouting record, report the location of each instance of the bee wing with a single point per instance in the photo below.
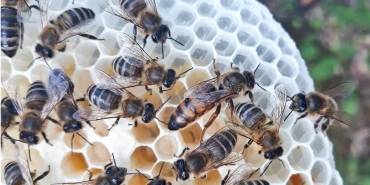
(94, 113)
(203, 86)
(243, 131)
(127, 82)
(44, 6)
(342, 117)
(231, 159)
(238, 174)
(152, 5)
(23, 11)
(105, 81)
(12, 91)
(279, 100)
(59, 76)
(89, 182)
(131, 49)
(79, 29)
(342, 90)
(22, 161)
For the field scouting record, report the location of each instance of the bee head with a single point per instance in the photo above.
(249, 77)
(299, 103)
(28, 138)
(170, 78)
(149, 113)
(180, 167)
(161, 35)
(116, 174)
(273, 154)
(72, 126)
(44, 52)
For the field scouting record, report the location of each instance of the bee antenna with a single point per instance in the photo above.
(261, 86)
(175, 41)
(289, 113)
(84, 139)
(282, 162)
(142, 174)
(29, 152)
(162, 105)
(33, 62)
(184, 72)
(254, 73)
(160, 170)
(47, 64)
(266, 168)
(160, 121)
(114, 161)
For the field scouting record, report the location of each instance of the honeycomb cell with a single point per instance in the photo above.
(156, 50)
(262, 100)
(266, 76)
(286, 140)
(30, 34)
(268, 51)
(287, 66)
(224, 44)
(37, 161)
(177, 94)
(303, 131)
(164, 115)
(166, 173)
(109, 46)
(205, 29)
(304, 83)
(184, 35)
(22, 83)
(206, 8)
(212, 177)
(276, 172)
(250, 15)
(190, 135)
(101, 128)
(59, 5)
(166, 146)
(192, 79)
(299, 179)
(84, 79)
(166, 5)
(40, 72)
(177, 61)
(143, 158)
(87, 60)
(289, 85)
(287, 46)
(184, 15)
(321, 172)
(336, 179)
(23, 59)
(98, 154)
(227, 22)
(246, 58)
(95, 173)
(319, 146)
(113, 22)
(75, 165)
(6, 69)
(105, 64)
(138, 179)
(78, 141)
(64, 61)
(222, 64)
(146, 133)
(268, 31)
(300, 158)
(248, 36)
(201, 54)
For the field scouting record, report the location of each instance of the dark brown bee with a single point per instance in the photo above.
(18, 172)
(111, 100)
(322, 104)
(36, 96)
(136, 68)
(72, 22)
(157, 180)
(211, 154)
(8, 113)
(240, 177)
(144, 15)
(252, 122)
(205, 95)
(13, 14)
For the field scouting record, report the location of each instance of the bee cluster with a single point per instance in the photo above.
(159, 92)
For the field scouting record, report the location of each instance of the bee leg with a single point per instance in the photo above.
(247, 144)
(217, 72)
(249, 93)
(90, 174)
(231, 107)
(300, 117)
(81, 99)
(135, 32)
(73, 136)
(234, 68)
(182, 153)
(53, 120)
(42, 175)
(90, 36)
(210, 121)
(22, 31)
(114, 124)
(317, 123)
(148, 89)
(325, 125)
(89, 123)
(144, 40)
(46, 139)
(253, 173)
(223, 182)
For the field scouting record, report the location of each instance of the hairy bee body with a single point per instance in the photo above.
(13, 174)
(36, 96)
(321, 104)
(133, 6)
(103, 98)
(123, 67)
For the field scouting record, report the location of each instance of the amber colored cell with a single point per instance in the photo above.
(98, 154)
(296, 179)
(166, 173)
(146, 132)
(143, 158)
(74, 165)
(154, 99)
(190, 135)
(212, 177)
(138, 179)
(36, 161)
(195, 76)
(166, 147)
(78, 142)
(101, 128)
(164, 115)
(95, 173)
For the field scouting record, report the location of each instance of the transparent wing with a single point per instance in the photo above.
(202, 86)
(343, 117)
(229, 160)
(59, 76)
(342, 90)
(152, 5)
(13, 93)
(127, 82)
(116, 10)
(243, 131)
(279, 102)
(22, 161)
(44, 6)
(239, 174)
(89, 182)
(104, 81)
(93, 113)
(24, 11)
(131, 50)
(79, 29)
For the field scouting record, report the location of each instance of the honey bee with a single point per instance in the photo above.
(13, 15)
(67, 107)
(18, 172)
(32, 119)
(144, 15)
(157, 180)
(239, 177)
(251, 122)
(323, 105)
(72, 22)
(136, 68)
(211, 154)
(8, 113)
(205, 95)
(111, 100)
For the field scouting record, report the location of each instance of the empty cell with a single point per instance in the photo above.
(176, 93)
(276, 172)
(305, 84)
(207, 9)
(64, 61)
(233, 5)
(268, 31)
(98, 154)
(286, 140)
(250, 15)
(166, 5)
(101, 128)
(78, 141)
(227, 22)
(105, 64)
(146, 132)
(113, 22)
(246, 58)
(248, 36)
(37, 161)
(6, 69)
(166, 146)
(303, 131)
(201, 54)
(212, 177)
(300, 158)
(23, 59)
(30, 34)
(195, 76)
(143, 158)
(268, 51)
(266, 76)
(40, 72)
(74, 166)
(321, 172)
(287, 46)
(289, 85)
(84, 79)
(58, 5)
(167, 171)
(262, 99)
(184, 35)
(22, 82)
(96, 8)
(109, 46)
(157, 50)
(190, 135)
(287, 66)
(224, 45)
(319, 146)
(184, 15)
(222, 64)
(87, 54)
(205, 29)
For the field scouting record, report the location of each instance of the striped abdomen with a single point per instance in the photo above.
(36, 96)
(13, 174)
(225, 143)
(10, 31)
(133, 6)
(73, 17)
(250, 115)
(103, 98)
(123, 68)
(252, 182)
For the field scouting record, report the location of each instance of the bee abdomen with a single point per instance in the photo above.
(250, 114)
(13, 174)
(252, 182)
(227, 141)
(103, 98)
(182, 116)
(10, 31)
(133, 6)
(36, 96)
(73, 17)
(123, 68)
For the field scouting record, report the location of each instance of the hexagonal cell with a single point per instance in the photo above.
(266, 75)
(287, 46)
(166, 146)
(195, 76)
(109, 46)
(336, 178)
(205, 29)
(250, 15)
(304, 83)
(40, 72)
(212, 177)
(287, 66)
(222, 64)
(166, 173)
(78, 141)
(201, 54)
(276, 172)
(95, 173)
(6, 69)
(233, 5)
(36, 162)
(65, 61)
(206, 8)
(248, 36)
(59, 5)
(268, 31)
(178, 61)
(286, 140)
(246, 58)
(156, 50)
(268, 51)
(321, 172)
(319, 146)
(289, 85)
(146, 132)
(138, 179)
(190, 135)
(113, 22)
(22, 82)
(23, 59)
(98, 154)
(101, 128)
(74, 166)
(143, 158)
(224, 45)
(84, 79)
(300, 158)
(105, 64)
(184, 15)
(176, 93)
(227, 22)
(92, 56)
(262, 100)
(184, 35)
(299, 179)
(30, 35)
(166, 5)
(303, 131)
(164, 115)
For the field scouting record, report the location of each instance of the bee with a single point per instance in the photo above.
(13, 15)
(144, 15)
(204, 96)
(8, 113)
(111, 100)
(239, 177)
(157, 180)
(72, 22)
(322, 104)
(211, 154)
(67, 107)
(18, 172)
(252, 122)
(114, 175)
(136, 68)
(32, 119)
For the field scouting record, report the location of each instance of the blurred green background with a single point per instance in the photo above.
(334, 39)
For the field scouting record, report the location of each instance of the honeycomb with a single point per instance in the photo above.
(242, 32)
